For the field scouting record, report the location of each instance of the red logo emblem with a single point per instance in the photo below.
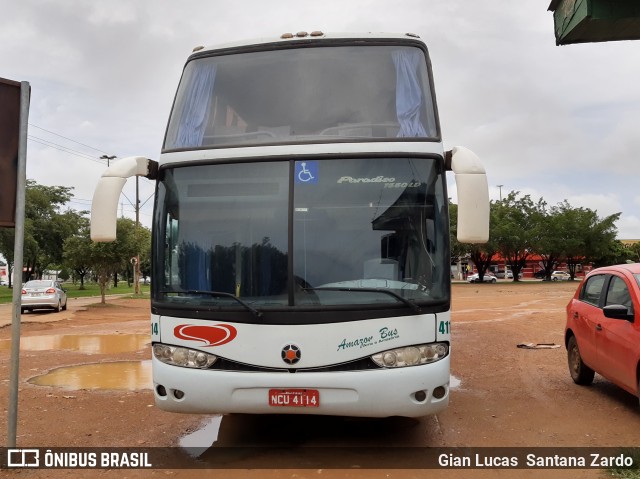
(215, 335)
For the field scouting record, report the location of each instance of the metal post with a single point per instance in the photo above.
(136, 273)
(18, 253)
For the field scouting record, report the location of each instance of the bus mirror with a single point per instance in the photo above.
(104, 207)
(473, 196)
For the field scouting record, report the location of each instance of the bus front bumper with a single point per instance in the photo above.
(414, 391)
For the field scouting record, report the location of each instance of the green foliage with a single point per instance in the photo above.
(515, 221)
(585, 236)
(520, 227)
(57, 237)
(106, 259)
(46, 226)
(77, 253)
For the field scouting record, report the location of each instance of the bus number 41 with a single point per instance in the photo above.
(444, 327)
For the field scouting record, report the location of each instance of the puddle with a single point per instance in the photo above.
(201, 439)
(89, 344)
(127, 375)
(454, 382)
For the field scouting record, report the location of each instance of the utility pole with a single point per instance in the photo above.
(505, 259)
(136, 258)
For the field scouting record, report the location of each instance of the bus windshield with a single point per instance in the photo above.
(336, 93)
(302, 234)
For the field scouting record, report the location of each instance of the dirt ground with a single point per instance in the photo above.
(506, 396)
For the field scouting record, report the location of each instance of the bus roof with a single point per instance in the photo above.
(306, 37)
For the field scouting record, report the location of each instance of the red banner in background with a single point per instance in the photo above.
(9, 139)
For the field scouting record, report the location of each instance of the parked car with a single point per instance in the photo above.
(43, 294)
(601, 333)
(475, 278)
(508, 275)
(560, 276)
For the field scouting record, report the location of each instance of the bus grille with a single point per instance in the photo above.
(223, 364)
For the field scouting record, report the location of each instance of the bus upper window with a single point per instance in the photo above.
(304, 94)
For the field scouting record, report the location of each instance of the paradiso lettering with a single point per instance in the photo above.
(384, 334)
(388, 182)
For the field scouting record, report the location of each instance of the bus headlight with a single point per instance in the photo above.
(188, 358)
(411, 355)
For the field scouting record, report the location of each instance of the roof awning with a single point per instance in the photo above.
(584, 21)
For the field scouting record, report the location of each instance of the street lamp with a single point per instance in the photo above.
(505, 259)
(108, 158)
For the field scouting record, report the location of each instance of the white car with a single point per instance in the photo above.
(43, 294)
(508, 275)
(560, 276)
(475, 278)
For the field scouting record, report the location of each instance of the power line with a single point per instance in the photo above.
(64, 149)
(66, 138)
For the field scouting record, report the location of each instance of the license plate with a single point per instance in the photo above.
(294, 397)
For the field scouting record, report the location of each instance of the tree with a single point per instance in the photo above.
(482, 254)
(45, 228)
(617, 254)
(634, 252)
(548, 238)
(586, 237)
(482, 258)
(77, 252)
(457, 250)
(515, 229)
(108, 258)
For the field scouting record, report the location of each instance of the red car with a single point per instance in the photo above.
(602, 334)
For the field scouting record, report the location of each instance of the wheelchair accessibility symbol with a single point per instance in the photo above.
(306, 172)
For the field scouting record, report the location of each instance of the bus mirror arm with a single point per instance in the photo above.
(104, 207)
(473, 195)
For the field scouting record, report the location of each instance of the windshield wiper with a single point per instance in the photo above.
(407, 302)
(220, 294)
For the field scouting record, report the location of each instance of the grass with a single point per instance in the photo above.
(91, 289)
(632, 472)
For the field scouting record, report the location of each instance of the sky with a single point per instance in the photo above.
(558, 123)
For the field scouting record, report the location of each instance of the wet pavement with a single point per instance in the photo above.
(118, 375)
(87, 344)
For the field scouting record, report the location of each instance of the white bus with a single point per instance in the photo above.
(301, 232)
